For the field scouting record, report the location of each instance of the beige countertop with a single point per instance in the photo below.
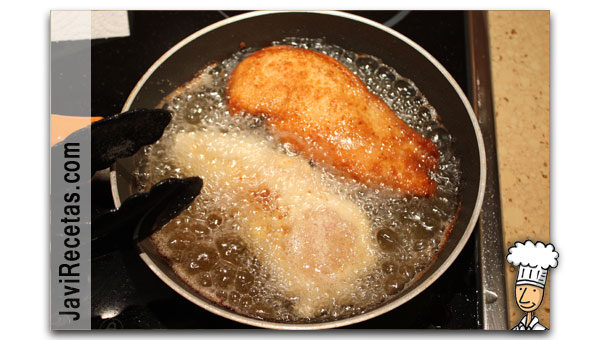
(520, 57)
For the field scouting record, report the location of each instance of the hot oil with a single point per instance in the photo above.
(204, 245)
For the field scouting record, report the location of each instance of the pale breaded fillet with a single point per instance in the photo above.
(316, 243)
(327, 114)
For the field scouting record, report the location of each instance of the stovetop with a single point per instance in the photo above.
(126, 294)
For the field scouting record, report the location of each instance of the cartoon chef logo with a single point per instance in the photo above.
(533, 261)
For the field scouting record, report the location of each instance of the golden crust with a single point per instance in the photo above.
(324, 111)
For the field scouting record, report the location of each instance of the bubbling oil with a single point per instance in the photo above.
(203, 243)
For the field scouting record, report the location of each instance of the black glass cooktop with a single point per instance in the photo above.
(126, 294)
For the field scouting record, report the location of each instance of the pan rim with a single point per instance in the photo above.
(222, 311)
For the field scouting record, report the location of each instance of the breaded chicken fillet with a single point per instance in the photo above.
(325, 112)
(314, 242)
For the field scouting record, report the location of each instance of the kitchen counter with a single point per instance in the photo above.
(520, 58)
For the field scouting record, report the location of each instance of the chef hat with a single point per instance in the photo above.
(533, 261)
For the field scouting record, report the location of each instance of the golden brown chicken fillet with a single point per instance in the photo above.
(325, 112)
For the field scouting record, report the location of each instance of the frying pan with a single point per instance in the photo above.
(258, 29)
